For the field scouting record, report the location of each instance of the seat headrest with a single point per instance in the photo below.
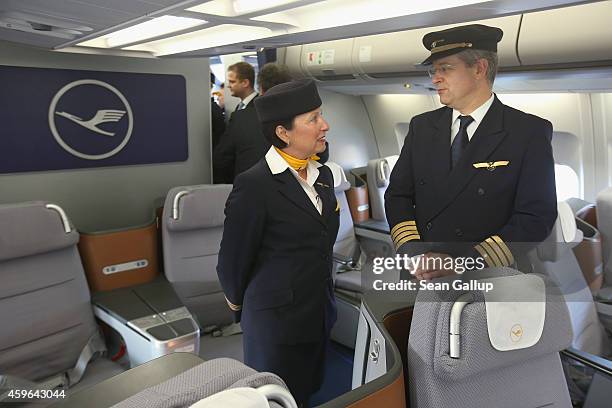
(564, 235)
(382, 169)
(478, 355)
(515, 309)
(340, 181)
(31, 228)
(196, 207)
(577, 204)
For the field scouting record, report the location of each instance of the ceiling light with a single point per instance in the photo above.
(207, 38)
(346, 12)
(143, 31)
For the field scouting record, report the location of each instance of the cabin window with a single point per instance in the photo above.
(567, 182)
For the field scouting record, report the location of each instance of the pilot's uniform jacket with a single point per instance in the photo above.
(501, 192)
(275, 266)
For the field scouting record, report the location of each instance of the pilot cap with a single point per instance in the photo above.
(453, 40)
(287, 100)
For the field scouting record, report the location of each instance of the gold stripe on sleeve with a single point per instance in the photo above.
(232, 306)
(498, 251)
(484, 255)
(408, 234)
(406, 239)
(400, 231)
(495, 259)
(504, 248)
(402, 224)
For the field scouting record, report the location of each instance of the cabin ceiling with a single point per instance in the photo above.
(218, 27)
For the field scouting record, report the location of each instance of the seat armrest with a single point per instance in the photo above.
(597, 363)
(344, 260)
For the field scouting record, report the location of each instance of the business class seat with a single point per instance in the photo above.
(493, 356)
(48, 327)
(589, 251)
(554, 258)
(378, 173)
(181, 380)
(347, 253)
(192, 228)
(220, 383)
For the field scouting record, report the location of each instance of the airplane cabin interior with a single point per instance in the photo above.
(110, 227)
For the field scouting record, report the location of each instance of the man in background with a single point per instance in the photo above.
(243, 143)
(217, 116)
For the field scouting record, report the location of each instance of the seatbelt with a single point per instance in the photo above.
(95, 346)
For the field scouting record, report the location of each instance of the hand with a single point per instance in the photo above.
(434, 265)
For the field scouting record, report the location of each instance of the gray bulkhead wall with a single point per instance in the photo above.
(390, 116)
(116, 197)
(351, 137)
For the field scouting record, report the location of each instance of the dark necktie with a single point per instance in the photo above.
(461, 139)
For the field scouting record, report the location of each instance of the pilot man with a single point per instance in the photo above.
(475, 178)
(275, 261)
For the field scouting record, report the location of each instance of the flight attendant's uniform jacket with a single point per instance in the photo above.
(275, 263)
(501, 192)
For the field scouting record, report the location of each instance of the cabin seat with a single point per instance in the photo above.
(45, 309)
(554, 258)
(201, 382)
(483, 376)
(378, 173)
(192, 228)
(347, 269)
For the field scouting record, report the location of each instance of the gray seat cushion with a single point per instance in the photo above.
(199, 382)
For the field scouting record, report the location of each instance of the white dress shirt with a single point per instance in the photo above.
(248, 99)
(478, 115)
(277, 165)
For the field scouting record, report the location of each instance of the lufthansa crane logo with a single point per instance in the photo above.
(91, 126)
(516, 333)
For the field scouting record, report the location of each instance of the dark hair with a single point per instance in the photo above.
(470, 57)
(213, 79)
(269, 131)
(243, 71)
(272, 74)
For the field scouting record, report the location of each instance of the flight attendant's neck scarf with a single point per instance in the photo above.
(295, 163)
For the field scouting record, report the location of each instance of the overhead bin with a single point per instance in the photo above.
(578, 34)
(396, 54)
(385, 55)
(292, 61)
(329, 60)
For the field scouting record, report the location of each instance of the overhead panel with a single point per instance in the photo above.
(578, 34)
(330, 60)
(292, 60)
(394, 54)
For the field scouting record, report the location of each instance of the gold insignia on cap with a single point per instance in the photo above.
(433, 44)
(450, 47)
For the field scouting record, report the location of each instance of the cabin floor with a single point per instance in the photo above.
(338, 364)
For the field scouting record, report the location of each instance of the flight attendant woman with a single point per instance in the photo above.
(275, 260)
